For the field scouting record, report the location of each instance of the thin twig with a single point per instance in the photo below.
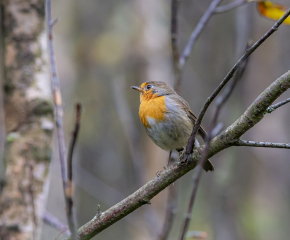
(55, 222)
(174, 46)
(230, 6)
(261, 144)
(209, 100)
(277, 105)
(224, 96)
(58, 117)
(171, 207)
(73, 140)
(196, 179)
(214, 130)
(69, 190)
(195, 34)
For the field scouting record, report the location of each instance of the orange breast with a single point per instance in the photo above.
(153, 107)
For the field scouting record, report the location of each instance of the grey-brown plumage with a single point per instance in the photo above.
(167, 117)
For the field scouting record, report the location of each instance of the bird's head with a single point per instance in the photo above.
(153, 89)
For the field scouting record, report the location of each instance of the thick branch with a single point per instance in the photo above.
(261, 144)
(224, 140)
(209, 100)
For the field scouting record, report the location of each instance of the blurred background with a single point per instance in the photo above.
(102, 49)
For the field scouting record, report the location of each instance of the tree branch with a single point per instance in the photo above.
(214, 130)
(59, 122)
(247, 143)
(196, 32)
(230, 6)
(210, 99)
(227, 138)
(277, 105)
(174, 46)
(171, 208)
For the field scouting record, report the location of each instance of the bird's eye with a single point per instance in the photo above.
(149, 87)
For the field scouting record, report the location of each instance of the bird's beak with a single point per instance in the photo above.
(137, 88)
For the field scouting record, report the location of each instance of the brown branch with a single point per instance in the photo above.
(277, 105)
(230, 6)
(209, 100)
(247, 143)
(171, 208)
(59, 121)
(174, 46)
(214, 130)
(196, 180)
(73, 140)
(196, 32)
(69, 190)
(224, 96)
(227, 138)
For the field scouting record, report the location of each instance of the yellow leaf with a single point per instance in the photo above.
(273, 10)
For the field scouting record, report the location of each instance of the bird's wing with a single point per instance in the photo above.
(184, 105)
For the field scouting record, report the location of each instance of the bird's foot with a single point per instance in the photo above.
(184, 158)
(158, 173)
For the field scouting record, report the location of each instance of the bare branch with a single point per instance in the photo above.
(224, 96)
(196, 180)
(174, 46)
(55, 222)
(195, 34)
(74, 139)
(209, 100)
(277, 105)
(247, 143)
(230, 6)
(214, 130)
(227, 138)
(58, 118)
(171, 208)
(69, 189)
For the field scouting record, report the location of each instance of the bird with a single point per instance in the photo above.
(167, 118)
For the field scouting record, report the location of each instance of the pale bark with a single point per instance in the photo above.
(28, 119)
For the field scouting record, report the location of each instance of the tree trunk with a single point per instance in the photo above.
(28, 119)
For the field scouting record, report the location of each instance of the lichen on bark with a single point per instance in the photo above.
(28, 118)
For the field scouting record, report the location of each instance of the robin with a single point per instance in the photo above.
(167, 118)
